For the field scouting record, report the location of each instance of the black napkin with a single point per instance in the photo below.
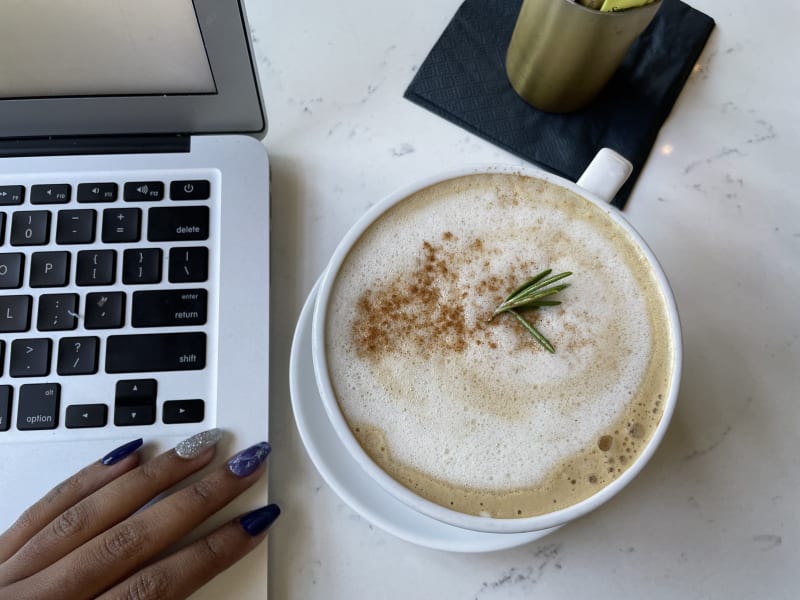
(464, 80)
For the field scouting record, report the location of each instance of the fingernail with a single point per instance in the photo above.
(247, 461)
(197, 444)
(260, 519)
(117, 454)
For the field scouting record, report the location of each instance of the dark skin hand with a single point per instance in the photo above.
(89, 538)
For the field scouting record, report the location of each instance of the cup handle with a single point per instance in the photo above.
(606, 174)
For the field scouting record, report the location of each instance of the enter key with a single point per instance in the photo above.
(167, 308)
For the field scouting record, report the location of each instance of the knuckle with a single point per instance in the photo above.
(72, 521)
(68, 487)
(124, 541)
(151, 471)
(202, 492)
(152, 584)
(214, 549)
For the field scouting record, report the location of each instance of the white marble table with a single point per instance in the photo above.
(715, 514)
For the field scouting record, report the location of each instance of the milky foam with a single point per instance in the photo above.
(476, 415)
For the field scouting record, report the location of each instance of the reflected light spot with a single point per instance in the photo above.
(666, 149)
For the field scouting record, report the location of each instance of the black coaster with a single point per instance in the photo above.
(464, 80)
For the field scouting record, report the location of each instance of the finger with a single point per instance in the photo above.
(108, 506)
(67, 493)
(181, 574)
(115, 554)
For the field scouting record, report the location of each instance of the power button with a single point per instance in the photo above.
(190, 189)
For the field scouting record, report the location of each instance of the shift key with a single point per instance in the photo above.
(177, 223)
(156, 352)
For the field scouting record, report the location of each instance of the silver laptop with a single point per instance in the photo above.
(134, 241)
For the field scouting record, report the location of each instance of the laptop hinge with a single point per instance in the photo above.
(70, 146)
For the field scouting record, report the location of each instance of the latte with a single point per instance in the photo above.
(475, 415)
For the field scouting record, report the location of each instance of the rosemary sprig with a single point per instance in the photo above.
(531, 295)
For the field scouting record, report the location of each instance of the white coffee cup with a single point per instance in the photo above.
(598, 185)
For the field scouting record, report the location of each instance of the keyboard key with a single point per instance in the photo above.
(193, 189)
(75, 226)
(15, 313)
(49, 269)
(86, 415)
(52, 193)
(57, 312)
(121, 225)
(11, 195)
(97, 192)
(6, 396)
(77, 355)
(141, 265)
(188, 264)
(142, 191)
(183, 411)
(30, 228)
(156, 352)
(38, 406)
(135, 402)
(164, 308)
(177, 224)
(104, 310)
(2, 228)
(11, 268)
(2, 355)
(96, 267)
(30, 358)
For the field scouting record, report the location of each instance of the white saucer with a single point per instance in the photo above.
(346, 477)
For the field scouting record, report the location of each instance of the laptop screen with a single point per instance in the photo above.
(126, 67)
(101, 48)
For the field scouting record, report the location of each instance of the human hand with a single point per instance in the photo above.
(88, 537)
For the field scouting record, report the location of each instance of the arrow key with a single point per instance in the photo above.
(86, 415)
(184, 411)
(135, 402)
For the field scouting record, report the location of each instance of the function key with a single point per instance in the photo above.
(97, 192)
(142, 191)
(11, 195)
(190, 189)
(54, 193)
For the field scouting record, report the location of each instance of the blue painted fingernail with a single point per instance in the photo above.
(247, 461)
(118, 454)
(260, 519)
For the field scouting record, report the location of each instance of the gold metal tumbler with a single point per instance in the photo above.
(562, 54)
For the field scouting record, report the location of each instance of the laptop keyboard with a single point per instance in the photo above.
(106, 318)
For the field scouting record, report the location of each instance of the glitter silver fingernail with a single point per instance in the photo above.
(198, 443)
